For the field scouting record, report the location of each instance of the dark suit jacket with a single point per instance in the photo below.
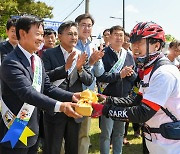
(5, 48)
(54, 64)
(117, 87)
(16, 74)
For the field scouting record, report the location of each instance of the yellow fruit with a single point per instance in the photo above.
(94, 97)
(86, 98)
(84, 109)
(86, 94)
(90, 95)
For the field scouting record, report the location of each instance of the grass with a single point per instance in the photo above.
(134, 148)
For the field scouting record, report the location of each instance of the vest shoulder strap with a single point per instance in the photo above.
(159, 63)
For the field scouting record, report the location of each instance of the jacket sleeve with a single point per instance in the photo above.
(53, 73)
(98, 68)
(132, 78)
(109, 77)
(15, 76)
(137, 114)
(124, 101)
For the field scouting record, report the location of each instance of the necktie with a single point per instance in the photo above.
(32, 63)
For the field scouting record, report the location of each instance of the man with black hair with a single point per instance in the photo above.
(49, 40)
(85, 45)
(106, 34)
(7, 46)
(26, 87)
(158, 101)
(67, 68)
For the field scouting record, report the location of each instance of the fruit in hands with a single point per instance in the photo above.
(87, 98)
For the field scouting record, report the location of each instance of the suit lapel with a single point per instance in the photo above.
(59, 55)
(73, 77)
(24, 61)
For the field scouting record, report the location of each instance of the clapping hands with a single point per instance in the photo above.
(96, 55)
(81, 61)
(70, 60)
(126, 71)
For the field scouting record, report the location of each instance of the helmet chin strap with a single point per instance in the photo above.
(147, 60)
(147, 51)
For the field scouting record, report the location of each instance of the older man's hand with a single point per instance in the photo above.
(76, 97)
(68, 109)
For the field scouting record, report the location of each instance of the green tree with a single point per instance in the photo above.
(169, 38)
(9, 8)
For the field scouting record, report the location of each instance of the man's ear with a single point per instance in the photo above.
(22, 34)
(157, 46)
(7, 31)
(59, 37)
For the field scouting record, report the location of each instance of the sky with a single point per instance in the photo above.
(163, 12)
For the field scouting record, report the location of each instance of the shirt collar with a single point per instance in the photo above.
(84, 44)
(26, 53)
(118, 53)
(115, 50)
(65, 53)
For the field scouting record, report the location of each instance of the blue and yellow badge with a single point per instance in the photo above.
(18, 129)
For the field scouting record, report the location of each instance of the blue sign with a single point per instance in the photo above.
(47, 23)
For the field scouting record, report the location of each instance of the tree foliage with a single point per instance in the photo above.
(169, 38)
(10, 8)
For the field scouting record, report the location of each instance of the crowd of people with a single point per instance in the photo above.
(43, 72)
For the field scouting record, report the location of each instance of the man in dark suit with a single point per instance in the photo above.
(68, 69)
(7, 46)
(26, 81)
